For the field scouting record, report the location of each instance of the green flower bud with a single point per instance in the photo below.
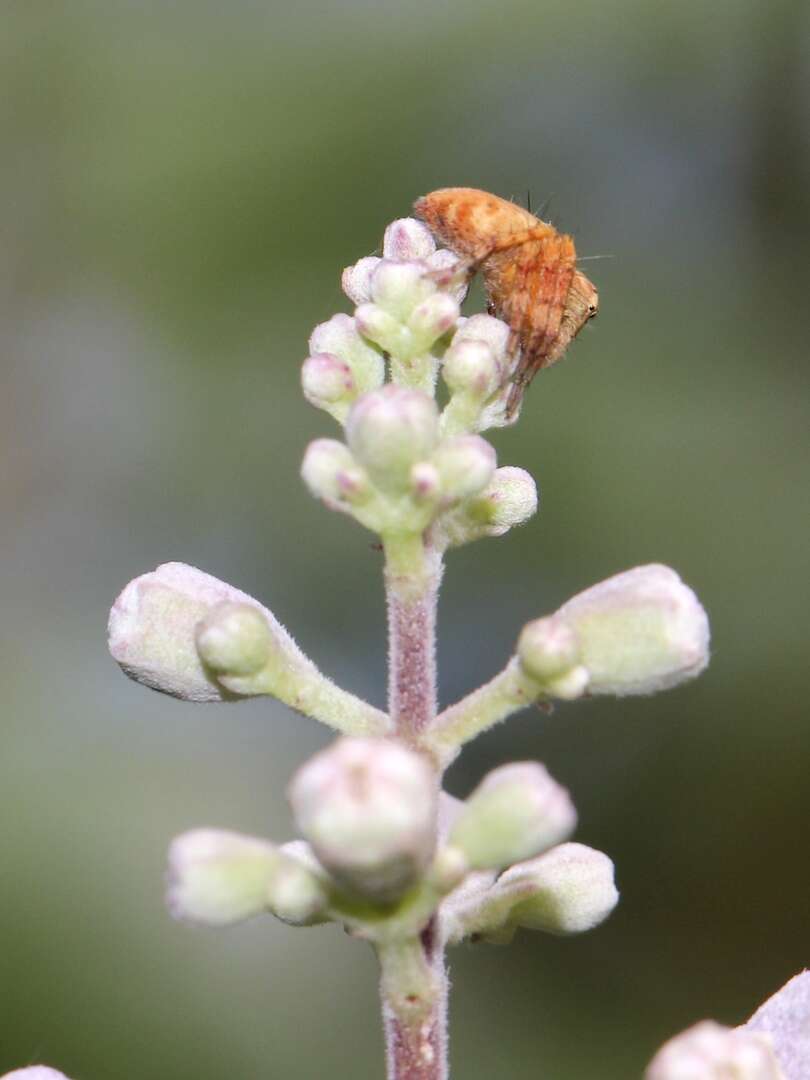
(234, 639)
(516, 812)
(466, 465)
(638, 632)
(331, 473)
(566, 891)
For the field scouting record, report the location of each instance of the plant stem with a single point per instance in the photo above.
(412, 576)
(413, 983)
(413, 989)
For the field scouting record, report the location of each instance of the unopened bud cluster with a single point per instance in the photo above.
(406, 464)
(367, 810)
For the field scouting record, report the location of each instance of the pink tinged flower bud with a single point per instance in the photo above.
(391, 429)
(217, 878)
(450, 273)
(509, 499)
(153, 623)
(568, 890)
(407, 239)
(638, 632)
(356, 280)
(234, 639)
(425, 482)
(34, 1072)
(398, 287)
(341, 337)
(368, 808)
(709, 1051)
(431, 319)
(471, 367)
(330, 472)
(516, 812)
(328, 383)
(384, 329)
(466, 464)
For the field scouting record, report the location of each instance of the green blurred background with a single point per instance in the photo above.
(180, 187)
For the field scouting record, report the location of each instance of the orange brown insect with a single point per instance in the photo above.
(529, 272)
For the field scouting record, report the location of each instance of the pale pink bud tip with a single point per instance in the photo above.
(368, 808)
(34, 1072)
(407, 239)
(515, 812)
(638, 632)
(326, 379)
(152, 629)
(709, 1051)
(356, 280)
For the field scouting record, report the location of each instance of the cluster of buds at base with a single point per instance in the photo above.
(639, 632)
(710, 1051)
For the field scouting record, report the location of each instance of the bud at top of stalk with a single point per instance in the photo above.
(638, 632)
(515, 812)
(406, 239)
(710, 1051)
(470, 366)
(368, 808)
(566, 891)
(391, 429)
(153, 624)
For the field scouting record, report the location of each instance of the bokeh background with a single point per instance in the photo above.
(181, 185)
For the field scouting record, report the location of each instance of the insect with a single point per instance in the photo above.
(529, 271)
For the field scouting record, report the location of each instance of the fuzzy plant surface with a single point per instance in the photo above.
(383, 851)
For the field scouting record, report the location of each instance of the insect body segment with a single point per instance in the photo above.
(529, 272)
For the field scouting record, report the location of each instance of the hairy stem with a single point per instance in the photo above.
(413, 989)
(412, 576)
(413, 983)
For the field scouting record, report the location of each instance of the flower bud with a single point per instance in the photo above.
(153, 624)
(217, 878)
(34, 1072)
(566, 891)
(638, 632)
(390, 430)
(425, 482)
(490, 331)
(547, 649)
(407, 239)
(328, 383)
(331, 473)
(710, 1051)
(341, 337)
(466, 465)
(450, 273)
(398, 287)
(383, 328)
(431, 319)
(471, 367)
(234, 639)
(368, 808)
(356, 280)
(515, 812)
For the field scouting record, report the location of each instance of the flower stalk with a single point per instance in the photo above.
(385, 853)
